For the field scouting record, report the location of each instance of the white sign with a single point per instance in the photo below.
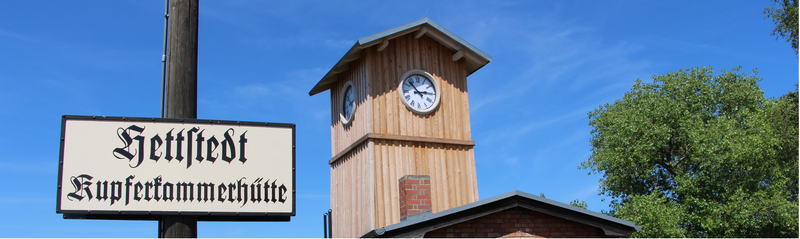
(172, 166)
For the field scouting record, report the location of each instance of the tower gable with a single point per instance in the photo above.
(475, 58)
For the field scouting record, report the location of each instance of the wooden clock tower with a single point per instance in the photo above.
(399, 106)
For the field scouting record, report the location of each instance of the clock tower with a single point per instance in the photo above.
(399, 106)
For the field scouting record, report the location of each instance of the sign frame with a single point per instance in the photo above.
(156, 215)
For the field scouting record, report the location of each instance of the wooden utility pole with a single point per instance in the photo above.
(181, 99)
(182, 72)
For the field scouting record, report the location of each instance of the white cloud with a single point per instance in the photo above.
(511, 160)
(541, 50)
(14, 35)
(305, 40)
(513, 132)
(586, 192)
(285, 99)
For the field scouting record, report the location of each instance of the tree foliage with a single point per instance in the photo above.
(579, 203)
(695, 154)
(785, 18)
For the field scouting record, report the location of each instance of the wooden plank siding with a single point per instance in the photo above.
(351, 199)
(406, 53)
(344, 135)
(451, 168)
(364, 179)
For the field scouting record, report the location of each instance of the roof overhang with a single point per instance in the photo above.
(475, 58)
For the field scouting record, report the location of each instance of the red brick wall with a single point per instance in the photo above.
(415, 195)
(517, 222)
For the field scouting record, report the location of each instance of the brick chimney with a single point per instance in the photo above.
(415, 195)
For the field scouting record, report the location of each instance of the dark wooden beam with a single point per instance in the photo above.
(421, 139)
(421, 32)
(384, 44)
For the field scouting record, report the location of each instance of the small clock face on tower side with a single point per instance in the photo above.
(419, 91)
(348, 103)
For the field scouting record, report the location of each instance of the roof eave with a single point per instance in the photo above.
(323, 83)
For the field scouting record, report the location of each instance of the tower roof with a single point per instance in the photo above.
(475, 58)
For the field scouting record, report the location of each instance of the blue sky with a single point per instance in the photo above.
(554, 61)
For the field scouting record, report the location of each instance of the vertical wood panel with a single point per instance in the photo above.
(380, 159)
(396, 172)
(436, 175)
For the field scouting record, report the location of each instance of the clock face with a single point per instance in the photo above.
(419, 91)
(348, 103)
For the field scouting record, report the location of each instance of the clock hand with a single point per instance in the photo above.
(416, 91)
(415, 88)
(424, 92)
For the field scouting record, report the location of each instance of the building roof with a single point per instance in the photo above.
(418, 225)
(475, 58)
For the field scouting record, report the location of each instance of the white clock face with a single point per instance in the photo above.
(419, 91)
(348, 103)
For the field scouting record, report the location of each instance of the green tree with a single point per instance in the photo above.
(785, 18)
(579, 203)
(695, 154)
